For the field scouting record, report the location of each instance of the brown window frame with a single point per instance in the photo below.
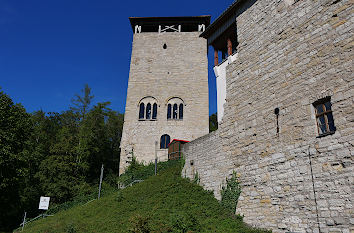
(325, 113)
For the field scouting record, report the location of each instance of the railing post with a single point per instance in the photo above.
(99, 187)
(155, 158)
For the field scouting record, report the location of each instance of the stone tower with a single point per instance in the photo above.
(167, 95)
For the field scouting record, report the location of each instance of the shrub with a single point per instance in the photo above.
(230, 193)
(184, 222)
(70, 228)
(140, 224)
(139, 171)
(196, 178)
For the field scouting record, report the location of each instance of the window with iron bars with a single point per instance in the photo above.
(324, 117)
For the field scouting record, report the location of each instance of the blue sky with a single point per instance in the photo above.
(50, 49)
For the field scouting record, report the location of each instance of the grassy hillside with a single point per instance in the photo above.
(162, 203)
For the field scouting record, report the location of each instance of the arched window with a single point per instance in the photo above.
(175, 111)
(169, 111)
(141, 111)
(154, 111)
(165, 140)
(148, 111)
(180, 111)
(148, 108)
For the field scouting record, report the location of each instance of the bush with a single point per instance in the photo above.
(230, 193)
(140, 224)
(70, 228)
(184, 222)
(139, 171)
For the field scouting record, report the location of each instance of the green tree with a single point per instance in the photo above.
(213, 122)
(82, 102)
(15, 129)
(54, 154)
(59, 173)
(44, 129)
(100, 135)
(114, 128)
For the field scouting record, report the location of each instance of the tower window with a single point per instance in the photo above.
(175, 111)
(154, 111)
(148, 108)
(180, 111)
(141, 111)
(169, 111)
(148, 111)
(324, 117)
(164, 141)
(164, 46)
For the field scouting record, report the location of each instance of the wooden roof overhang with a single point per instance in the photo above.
(189, 23)
(226, 22)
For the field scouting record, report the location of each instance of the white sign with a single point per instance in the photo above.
(44, 203)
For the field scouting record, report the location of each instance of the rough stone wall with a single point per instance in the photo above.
(203, 156)
(181, 71)
(290, 56)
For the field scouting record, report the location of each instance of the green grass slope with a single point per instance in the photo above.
(162, 203)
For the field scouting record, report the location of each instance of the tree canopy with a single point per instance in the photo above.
(54, 154)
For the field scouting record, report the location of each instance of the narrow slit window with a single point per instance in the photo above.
(169, 111)
(324, 117)
(175, 111)
(148, 111)
(154, 111)
(141, 111)
(181, 111)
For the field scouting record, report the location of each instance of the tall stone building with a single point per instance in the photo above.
(168, 86)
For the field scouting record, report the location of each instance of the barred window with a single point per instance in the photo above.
(324, 117)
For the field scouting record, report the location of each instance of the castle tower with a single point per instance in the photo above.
(167, 95)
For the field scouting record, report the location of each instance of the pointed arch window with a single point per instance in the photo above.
(169, 108)
(148, 111)
(141, 111)
(164, 141)
(154, 111)
(180, 111)
(175, 111)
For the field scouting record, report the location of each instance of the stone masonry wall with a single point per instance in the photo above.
(289, 56)
(180, 70)
(203, 157)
